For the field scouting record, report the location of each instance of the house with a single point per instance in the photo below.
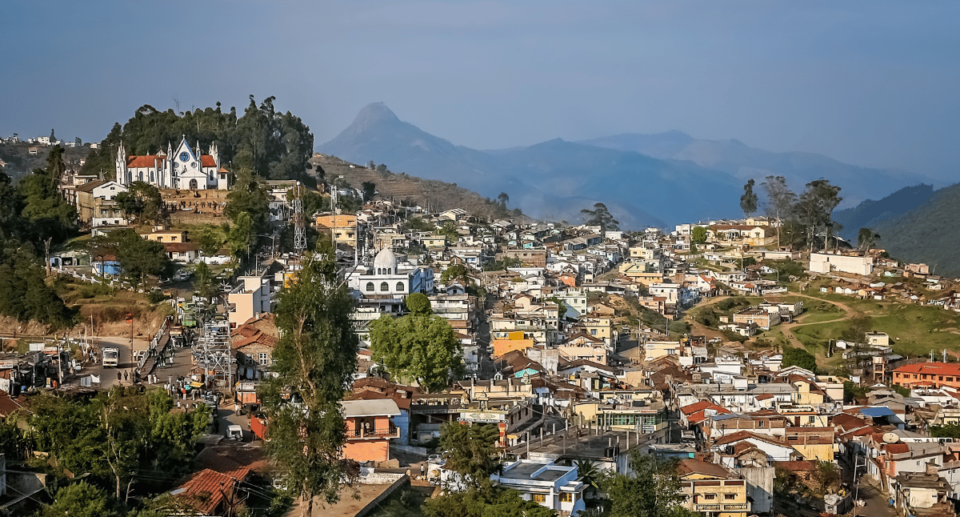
(583, 346)
(96, 203)
(928, 374)
(342, 226)
(553, 486)
(653, 350)
(253, 344)
(922, 493)
(712, 490)
(369, 429)
(763, 318)
(159, 234)
(249, 299)
(210, 493)
(826, 263)
(183, 252)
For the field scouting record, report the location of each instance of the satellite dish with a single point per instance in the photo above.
(890, 438)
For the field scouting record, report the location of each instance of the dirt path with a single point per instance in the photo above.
(787, 328)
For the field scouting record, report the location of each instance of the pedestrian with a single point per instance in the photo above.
(119, 376)
(236, 408)
(423, 470)
(126, 376)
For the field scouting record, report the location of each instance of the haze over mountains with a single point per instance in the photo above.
(658, 179)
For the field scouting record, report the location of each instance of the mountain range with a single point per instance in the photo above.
(645, 180)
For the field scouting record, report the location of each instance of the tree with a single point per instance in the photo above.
(653, 490)
(138, 258)
(248, 197)
(79, 500)
(45, 212)
(419, 304)
(748, 201)
(780, 198)
(314, 362)
(203, 281)
(698, 235)
(456, 272)
(210, 239)
(449, 230)
(866, 238)
(693, 248)
(590, 475)
(814, 209)
(827, 477)
(503, 199)
(470, 451)
(799, 357)
(24, 294)
(242, 235)
(601, 217)
(419, 346)
(369, 189)
(142, 201)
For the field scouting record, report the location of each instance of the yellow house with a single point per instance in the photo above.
(598, 326)
(166, 236)
(808, 393)
(639, 252)
(653, 350)
(344, 226)
(434, 241)
(814, 443)
(712, 490)
(636, 271)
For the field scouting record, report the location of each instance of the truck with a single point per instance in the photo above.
(111, 356)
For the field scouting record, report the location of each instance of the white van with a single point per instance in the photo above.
(234, 432)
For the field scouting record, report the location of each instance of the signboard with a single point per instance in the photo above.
(479, 417)
(37, 347)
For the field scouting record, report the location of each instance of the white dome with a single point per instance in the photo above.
(385, 263)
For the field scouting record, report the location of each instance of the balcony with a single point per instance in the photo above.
(708, 508)
(741, 507)
(373, 434)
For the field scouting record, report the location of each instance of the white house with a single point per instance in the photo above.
(828, 262)
(552, 486)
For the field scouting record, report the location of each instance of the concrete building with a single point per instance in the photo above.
(369, 429)
(826, 263)
(552, 486)
(250, 299)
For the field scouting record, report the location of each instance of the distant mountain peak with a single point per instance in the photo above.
(375, 113)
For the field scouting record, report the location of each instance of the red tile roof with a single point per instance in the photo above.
(204, 491)
(796, 466)
(930, 369)
(207, 161)
(744, 435)
(700, 406)
(136, 162)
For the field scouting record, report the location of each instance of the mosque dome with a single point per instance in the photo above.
(385, 263)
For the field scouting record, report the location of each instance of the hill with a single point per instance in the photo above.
(736, 158)
(928, 233)
(554, 179)
(870, 213)
(19, 161)
(435, 194)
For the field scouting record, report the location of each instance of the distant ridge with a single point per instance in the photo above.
(871, 213)
(658, 180)
(929, 233)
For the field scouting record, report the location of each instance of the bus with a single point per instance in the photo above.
(111, 356)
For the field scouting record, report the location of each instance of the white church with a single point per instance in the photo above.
(181, 169)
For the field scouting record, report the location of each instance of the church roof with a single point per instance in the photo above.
(207, 161)
(136, 162)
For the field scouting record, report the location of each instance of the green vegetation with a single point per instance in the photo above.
(502, 265)
(748, 201)
(710, 315)
(418, 346)
(456, 272)
(601, 217)
(142, 202)
(315, 358)
(945, 431)
(799, 357)
(138, 258)
(419, 224)
(652, 490)
(269, 143)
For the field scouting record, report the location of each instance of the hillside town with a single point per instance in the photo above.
(582, 347)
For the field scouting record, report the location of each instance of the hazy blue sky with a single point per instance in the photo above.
(874, 83)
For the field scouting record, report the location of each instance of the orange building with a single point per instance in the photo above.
(369, 429)
(928, 374)
(502, 346)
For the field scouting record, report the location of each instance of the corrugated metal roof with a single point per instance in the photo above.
(379, 407)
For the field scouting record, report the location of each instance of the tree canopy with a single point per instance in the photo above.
(601, 217)
(748, 201)
(652, 490)
(138, 258)
(314, 362)
(270, 143)
(799, 357)
(142, 202)
(419, 346)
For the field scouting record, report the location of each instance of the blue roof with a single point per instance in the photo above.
(875, 412)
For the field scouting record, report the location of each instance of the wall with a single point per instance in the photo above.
(759, 487)
(367, 450)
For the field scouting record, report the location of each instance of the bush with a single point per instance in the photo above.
(156, 297)
(94, 290)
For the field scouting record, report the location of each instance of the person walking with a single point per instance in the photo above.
(126, 376)
(119, 376)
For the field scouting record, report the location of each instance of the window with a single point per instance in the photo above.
(566, 497)
(729, 497)
(370, 287)
(811, 419)
(709, 497)
(399, 287)
(538, 498)
(264, 358)
(593, 332)
(384, 287)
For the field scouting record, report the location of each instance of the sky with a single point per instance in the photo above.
(874, 83)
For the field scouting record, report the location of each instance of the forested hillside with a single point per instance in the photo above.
(870, 213)
(928, 233)
(262, 140)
